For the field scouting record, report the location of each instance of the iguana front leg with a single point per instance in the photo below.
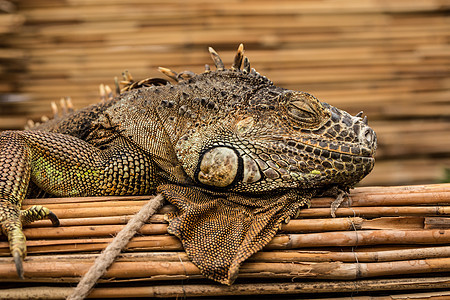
(57, 163)
(15, 173)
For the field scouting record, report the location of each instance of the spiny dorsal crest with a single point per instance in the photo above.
(241, 64)
(65, 108)
(239, 61)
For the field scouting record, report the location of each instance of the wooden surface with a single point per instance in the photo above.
(390, 59)
(387, 240)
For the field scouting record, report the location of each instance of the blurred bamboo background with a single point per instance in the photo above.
(390, 59)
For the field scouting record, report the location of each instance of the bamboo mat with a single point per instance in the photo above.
(384, 239)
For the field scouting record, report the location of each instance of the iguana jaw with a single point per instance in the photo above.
(291, 168)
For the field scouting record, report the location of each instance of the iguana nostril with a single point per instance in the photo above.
(369, 136)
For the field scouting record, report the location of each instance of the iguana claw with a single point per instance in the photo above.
(54, 219)
(18, 262)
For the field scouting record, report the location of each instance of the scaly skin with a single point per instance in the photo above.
(234, 153)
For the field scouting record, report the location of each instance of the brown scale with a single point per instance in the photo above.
(234, 153)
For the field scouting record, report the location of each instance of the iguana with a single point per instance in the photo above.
(234, 153)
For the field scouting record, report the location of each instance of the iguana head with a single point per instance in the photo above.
(245, 134)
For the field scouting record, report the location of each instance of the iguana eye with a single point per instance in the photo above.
(301, 111)
(304, 109)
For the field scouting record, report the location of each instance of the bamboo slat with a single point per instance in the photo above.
(163, 271)
(203, 290)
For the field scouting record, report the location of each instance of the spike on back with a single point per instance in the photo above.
(216, 59)
(127, 76)
(246, 68)
(169, 73)
(117, 85)
(237, 63)
(109, 93)
(62, 104)
(54, 109)
(131, 84)
(30, 124)
(106, 93)
(186, 75)
(102, 92)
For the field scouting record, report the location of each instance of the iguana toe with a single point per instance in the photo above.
(38, 212)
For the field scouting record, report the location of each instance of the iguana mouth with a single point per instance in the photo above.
(327, 149)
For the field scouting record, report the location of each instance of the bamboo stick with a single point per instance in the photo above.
(155, 270)
(76, 200)
(359, 238)
(379, 254)
(280, 241)
(438, 222)
(113, 220)
(108, 226)
(367, 255)
(373, 212)
(205, 290)
(368, 212)
(89, 231)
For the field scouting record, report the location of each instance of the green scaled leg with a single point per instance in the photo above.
(14, 178)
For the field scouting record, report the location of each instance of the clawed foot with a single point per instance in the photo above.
(12, 219)
(36, 213)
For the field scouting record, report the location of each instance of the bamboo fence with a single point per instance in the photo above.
(11, 58)
(390, 59)
(384, 239)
